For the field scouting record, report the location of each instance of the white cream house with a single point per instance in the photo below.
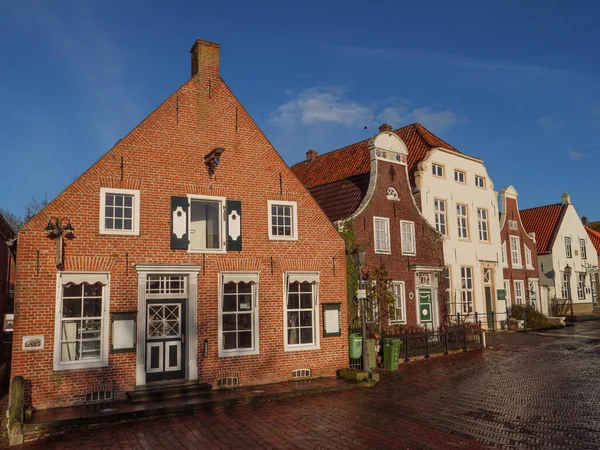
(564, 247)
(457, 197)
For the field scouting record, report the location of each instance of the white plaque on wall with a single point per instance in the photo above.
(33, 343)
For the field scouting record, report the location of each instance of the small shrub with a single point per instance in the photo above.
(534, 320)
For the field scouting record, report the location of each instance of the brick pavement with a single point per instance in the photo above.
(534, 390)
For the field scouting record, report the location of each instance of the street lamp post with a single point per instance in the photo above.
(568, 276)
(359, 260)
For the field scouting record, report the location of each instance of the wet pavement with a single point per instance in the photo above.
(530, 390)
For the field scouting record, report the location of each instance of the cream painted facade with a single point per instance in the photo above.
(469, 253)
(552, 266)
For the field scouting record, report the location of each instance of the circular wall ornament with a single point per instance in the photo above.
(410, 295)
(425, 312)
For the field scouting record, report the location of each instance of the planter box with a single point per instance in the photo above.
(353, 374)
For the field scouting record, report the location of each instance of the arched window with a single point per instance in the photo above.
(392, 194)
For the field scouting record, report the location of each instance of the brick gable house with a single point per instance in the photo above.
(365, 188)
(519, 256)
(188, 252)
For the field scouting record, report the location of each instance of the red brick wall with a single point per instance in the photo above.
(429, 245)
(163, 157)
(511, 273)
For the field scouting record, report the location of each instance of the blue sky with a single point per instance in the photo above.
(514, 83)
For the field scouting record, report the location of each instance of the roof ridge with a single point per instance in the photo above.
(539, 207)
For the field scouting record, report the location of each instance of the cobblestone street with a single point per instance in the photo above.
(529, 390)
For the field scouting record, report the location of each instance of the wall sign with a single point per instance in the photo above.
(501, 294)
(8, 322)
(331, 319)
(33, 343)
(124, 332)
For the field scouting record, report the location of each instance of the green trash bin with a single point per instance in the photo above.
(391, 353)
(355, 345)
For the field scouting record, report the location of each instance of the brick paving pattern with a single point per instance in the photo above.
(534, 390)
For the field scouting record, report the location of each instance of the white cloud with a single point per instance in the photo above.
(575, 156)
(321, 105)
(332, 105)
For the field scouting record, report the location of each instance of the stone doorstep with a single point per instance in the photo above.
(48, 422)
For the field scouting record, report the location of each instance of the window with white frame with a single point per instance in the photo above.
(507, 290)
(519, 292)
(408, 238)
(301, 313)
(581, 286)
(503, 255)
(533, 293)
(528, 260)
(460, 176)
(448, 288)
(381, 227)
(466, 290)
(593, 287)
(439, 207)
(437, 170)
(207, 224)
(463, 223)
(568, 246)
(398, 308)
(479, 181)
(283, 220)
(81, 331)
(482, 221)
(515, 252)
(238, 314)
(119, 211)
(566, 287)
(583, 248)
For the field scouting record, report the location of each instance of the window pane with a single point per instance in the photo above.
(245, 339)
(245, 302)
(229, 341)
(229, 322)
(229, 288)
(306, 319)
(305, 301)
(293, 336)
(69, 352)
(127, 213)
(92, 290)
(306, 287)
(306, 335)
(92, 307)
(244, 288)
(293, 319)
(229, 303)
(128, 200)
(293, 301)
(90, 350)
(71, 307)
(244, 321)
(72, 290)
(118, 224)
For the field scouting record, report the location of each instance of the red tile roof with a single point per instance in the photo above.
(354, 159)
(544, 221)
(340, 199)
(594, 237)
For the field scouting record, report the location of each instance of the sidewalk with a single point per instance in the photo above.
(48, 422)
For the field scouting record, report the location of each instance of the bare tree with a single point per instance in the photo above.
(35, 206)
(13, 220)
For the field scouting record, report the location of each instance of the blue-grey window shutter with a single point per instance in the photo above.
(179, 223)
(234, 225)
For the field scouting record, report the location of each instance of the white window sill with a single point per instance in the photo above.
(517, 266)
(208, 251)
(398, 322)
(381, 252)
(530, 268)
(233, 353)
(409, 254)
(283, 238)
(120, 232)
(299, 348)
(79, 365)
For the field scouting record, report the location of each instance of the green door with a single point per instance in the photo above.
(425, 309)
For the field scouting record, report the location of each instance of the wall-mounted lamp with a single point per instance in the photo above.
(56, 227)
(205, 347)
(213, 159)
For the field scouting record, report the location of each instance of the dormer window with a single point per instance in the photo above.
(392, 194)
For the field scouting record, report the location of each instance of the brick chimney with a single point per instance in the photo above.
(205, 60)
(311, 155)
(566, 198)
(385, 127)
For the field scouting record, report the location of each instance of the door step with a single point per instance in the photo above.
(163, 391)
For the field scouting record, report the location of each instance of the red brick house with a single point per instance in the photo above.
(188, 252)
(595, 238)
(365, 188)
(519, 255)
(7, 280)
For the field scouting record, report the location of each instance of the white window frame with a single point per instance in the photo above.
(62, 279)
(387, 250)
(399, 301)
(583, 248)
(519, 292)
(528, 259)
(466, 292)
(237, 277)
(440, 215)
(483, 225)
(480, 181)
(503, 255)
(464, 217)
(448, 288)
(313, 278)
(580, 285)
(460, 176)
(568, 248)
(515, 252)
(135, 216)
(437, 170)
(222, 238)
(407, 249)
(566, 286)
(294, 205)
(507, 289)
